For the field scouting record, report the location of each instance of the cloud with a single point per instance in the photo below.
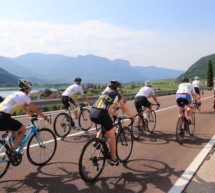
(139, 47)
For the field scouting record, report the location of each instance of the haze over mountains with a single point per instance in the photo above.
(55, 68)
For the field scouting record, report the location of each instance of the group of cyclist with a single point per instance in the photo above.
(102, 110)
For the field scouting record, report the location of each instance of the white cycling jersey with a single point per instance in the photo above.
(72, 90)
(146, 91)
(197, 83)
(14, 102)
(186, 88)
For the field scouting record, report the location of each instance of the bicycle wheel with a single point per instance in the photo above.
(41, 148)
(92, 160)
(124, 144)
(84, 120)
(4, 160)
(152, 121)
(119, 111)
(180, 130)
(191, 127)
(62, 125)
(137, 127)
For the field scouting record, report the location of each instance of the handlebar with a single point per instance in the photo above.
(158, 105)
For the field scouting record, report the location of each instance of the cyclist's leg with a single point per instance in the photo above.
(112, 143)
(19, 136)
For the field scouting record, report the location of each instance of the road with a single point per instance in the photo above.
(156, 163)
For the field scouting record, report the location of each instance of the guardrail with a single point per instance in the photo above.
(49, 102)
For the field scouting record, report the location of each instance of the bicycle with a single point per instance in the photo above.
(143, 123)
(183, 126)
(63, 122)
(196, 106)
(96, 151)
(41, 146)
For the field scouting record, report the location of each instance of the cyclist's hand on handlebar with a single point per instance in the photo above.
(48, 118)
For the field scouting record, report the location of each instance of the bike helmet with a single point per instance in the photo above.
(77, 79)
(114, 84)
(24, 84)
(148, 83)
(196, 78)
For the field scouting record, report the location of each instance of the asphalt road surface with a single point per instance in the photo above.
(156, 163)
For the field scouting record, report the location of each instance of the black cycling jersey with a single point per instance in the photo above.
(107, 99)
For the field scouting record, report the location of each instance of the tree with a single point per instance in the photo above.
(210, 74)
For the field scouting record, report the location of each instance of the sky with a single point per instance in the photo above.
(164, 33)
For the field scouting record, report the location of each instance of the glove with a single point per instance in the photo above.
(48, 118)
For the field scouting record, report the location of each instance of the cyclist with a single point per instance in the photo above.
(184, 95)
(118, 84)
(197, 86)
(100, 114)
(69, 94)
(141, 98)
(214, 92)
(14, 102)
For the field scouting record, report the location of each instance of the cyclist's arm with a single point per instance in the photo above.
(121, 94)
(86, 99)
(36, 110)
(25, 110)
(75, 98)
(125, 109)
(155, 99)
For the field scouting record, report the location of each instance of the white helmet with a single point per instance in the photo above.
(148, 83)
(196, 78)
(24, 84)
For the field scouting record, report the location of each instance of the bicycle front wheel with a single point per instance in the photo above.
(152, 121)
(41, 148)
(137, 127)
(92, 160)
(62, 125)
(124, 144)
(84, 120)
(180, 130)
(4, 160)
(192, 125)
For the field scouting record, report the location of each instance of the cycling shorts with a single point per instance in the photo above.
(197, 90)
(183, 98)
(8, 123)
(102, 117)
(65, 100)
(141, 101)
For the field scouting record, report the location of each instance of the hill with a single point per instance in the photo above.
(199, 68)
(55, 68)
(7, 79)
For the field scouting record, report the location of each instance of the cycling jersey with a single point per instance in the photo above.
(72, 90)
(185, 88)
(197, 83)
(146, 91)
(14, 102)
(107, 99)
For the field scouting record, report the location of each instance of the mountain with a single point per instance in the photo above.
(155, 73)
(55, 68)
(199, 68)
(7, 79)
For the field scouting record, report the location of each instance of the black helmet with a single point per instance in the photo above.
(114, 84)
(77, 79)
(185, 80)
(24, 84)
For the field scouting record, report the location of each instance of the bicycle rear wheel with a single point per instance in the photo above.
(62, 125)
(92, 160)
(180, 130)
(192, 125)
(124, 144)
(137, 127)
(84, 120)
(41, 148)
(4, 160)
(152, 121)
